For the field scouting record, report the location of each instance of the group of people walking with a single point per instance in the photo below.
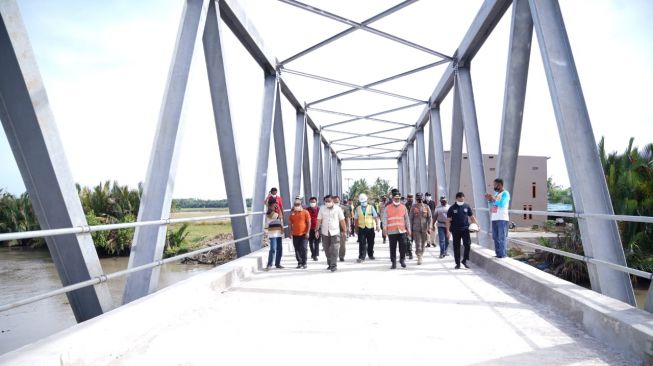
(401, 221)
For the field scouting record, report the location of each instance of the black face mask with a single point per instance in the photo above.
(443, 203)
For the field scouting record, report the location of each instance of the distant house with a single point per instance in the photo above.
(529, 192)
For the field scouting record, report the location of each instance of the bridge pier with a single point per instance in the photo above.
(600, 238)
(149, 241)
(39, 152)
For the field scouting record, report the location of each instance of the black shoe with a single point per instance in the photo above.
(334, 268)
(410, 256)
(465, 264)
(394, 265)
(383, 241)
(457, 266)
(359, 260)
(342, 259)
(280, 267)
(328, 268)
(428, 245)
(372, 257)
(403, 263)
(441, 256)
(303, 266)
(298, 266)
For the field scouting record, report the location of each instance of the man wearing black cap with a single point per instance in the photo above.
(409, 242)
(458, 224)
(396, 225)
(420, 218)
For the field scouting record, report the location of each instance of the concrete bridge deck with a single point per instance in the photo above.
(362, 314)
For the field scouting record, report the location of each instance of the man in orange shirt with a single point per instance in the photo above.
(299, 227)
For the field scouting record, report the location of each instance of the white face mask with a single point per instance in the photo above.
(274, 196)
(460, 203)
(329, 204)
(396, 203)
(298, 208)
(313, 204)
(363, 204)
(427, 198)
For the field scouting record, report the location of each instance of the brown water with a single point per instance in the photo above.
(24, 273)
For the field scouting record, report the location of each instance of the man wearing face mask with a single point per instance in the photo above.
(440, 223)
(274, 194)
(382, 206)
(331, 222)
(342, 248)
(458, 224)
(314, 237)
(431, 238)
(396, 225)
(299, 223)
(409, 241)
(366, 221)
(499, 201)
(420, 218)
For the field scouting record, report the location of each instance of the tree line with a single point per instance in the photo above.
(629, 177)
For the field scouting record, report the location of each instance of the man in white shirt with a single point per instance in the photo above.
(499, 202)
(331, 221)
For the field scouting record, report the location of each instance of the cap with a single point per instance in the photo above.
(427, 194)
(443, 198)
(418, 195)
(460, 194)
(396, 193)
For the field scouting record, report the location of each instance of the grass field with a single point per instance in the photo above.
(199, 231)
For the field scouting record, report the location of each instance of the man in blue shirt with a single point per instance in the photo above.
(499, 201)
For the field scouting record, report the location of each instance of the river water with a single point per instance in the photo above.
(24, 273)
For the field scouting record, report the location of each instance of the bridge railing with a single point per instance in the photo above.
(105, 277)
(583, 258)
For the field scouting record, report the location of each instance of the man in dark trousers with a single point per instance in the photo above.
(409, 239)
(458, 225)
(396, 225)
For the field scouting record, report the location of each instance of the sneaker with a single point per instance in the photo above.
(428, 245)
(334, 268)
(280, 267)
(419, 260)
(267, 268)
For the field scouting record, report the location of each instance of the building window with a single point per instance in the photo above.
(491, 157)
(530, 208)
(493, 169)
(534, 189)
(525, 214)
(535, 168)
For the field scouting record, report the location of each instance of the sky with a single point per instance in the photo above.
(105, 64)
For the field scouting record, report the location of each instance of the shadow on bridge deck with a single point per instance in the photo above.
(362, 314)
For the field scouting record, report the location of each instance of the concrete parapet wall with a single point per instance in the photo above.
(627, 329)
